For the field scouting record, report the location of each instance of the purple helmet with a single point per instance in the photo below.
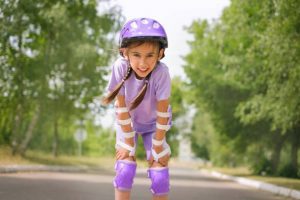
(143, 29)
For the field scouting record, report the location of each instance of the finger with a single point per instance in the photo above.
(164, 164)
(118, 156)
(125, 155)
(151, 163)
(163, 161)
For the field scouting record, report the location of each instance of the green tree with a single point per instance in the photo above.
(53, 53)
(243, 70)
(268, 33)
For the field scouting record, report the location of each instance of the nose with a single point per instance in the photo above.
(143, 62)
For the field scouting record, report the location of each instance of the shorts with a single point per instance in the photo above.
(147, 140)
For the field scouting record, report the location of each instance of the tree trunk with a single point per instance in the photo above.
(279, 140)
(15, 130)
(29, 132)
(55, 139)
(295, 147)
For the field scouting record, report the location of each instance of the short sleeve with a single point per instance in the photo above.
(162, 83)
(118, 72)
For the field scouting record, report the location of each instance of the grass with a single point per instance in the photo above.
(280, 181)
(40, 158)
(6, 158)
(292, 183)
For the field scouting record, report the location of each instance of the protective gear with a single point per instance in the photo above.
(162, 126)
(160, 180)
(125, 173)
(131, 134)
(141, 29)
(121, 109)
(127, 135)
(157, 142)
(157, 156)
(125, 121)
(163, 114)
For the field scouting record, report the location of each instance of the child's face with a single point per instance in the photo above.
(143, 57)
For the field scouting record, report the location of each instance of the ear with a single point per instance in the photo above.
(124, 53)
(161, 54)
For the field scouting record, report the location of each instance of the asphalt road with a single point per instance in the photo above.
(185, 185)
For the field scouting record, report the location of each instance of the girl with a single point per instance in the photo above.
(141, 85)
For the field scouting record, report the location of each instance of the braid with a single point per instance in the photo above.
(111, 96)
(140, 96)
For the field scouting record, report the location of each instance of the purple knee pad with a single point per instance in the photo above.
(125, 172)
(160, 181)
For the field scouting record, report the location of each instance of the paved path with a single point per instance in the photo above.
(186, 185)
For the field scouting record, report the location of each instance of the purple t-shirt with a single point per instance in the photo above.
(159, 88)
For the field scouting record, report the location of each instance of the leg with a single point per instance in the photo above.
(125, 172)
(160, 197)
(122, 195)
(160, 186)
(123, 181)
(158, 174)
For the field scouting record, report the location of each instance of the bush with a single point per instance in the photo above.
(262, 167)
(289, 171)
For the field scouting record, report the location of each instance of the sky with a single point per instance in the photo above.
(174, 16)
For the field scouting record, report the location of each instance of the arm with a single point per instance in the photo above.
(162, 106)
(124, 120)
(160, 154)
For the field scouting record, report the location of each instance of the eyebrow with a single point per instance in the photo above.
(135, 52)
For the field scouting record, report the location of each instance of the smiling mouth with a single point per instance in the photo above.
(143, 70)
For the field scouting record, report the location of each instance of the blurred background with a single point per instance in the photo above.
(235, 68)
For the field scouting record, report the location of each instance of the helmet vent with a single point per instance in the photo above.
(145, 21)
(134, 25)
(156, 25)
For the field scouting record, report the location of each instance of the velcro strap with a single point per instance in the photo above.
(125, 146)
(129, 134)
(125, 121)
(157, 156)
(163, 114)
(162, 127)
(121, 109)
(157, 142)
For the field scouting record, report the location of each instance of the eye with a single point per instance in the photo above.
(136, 55)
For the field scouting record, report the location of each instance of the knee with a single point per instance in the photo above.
(125, 173)
(160, 181)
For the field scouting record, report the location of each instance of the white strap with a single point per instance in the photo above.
(157, 142)
(157, 156)
(163, 114)
(125, 146)
(129, 134)
(162, 127)
(125, 121)
(121, 109)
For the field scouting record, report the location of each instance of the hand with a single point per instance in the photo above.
(162, 162)
(122, 154)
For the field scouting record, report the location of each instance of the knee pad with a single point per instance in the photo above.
(160, 181)
(125, 173)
